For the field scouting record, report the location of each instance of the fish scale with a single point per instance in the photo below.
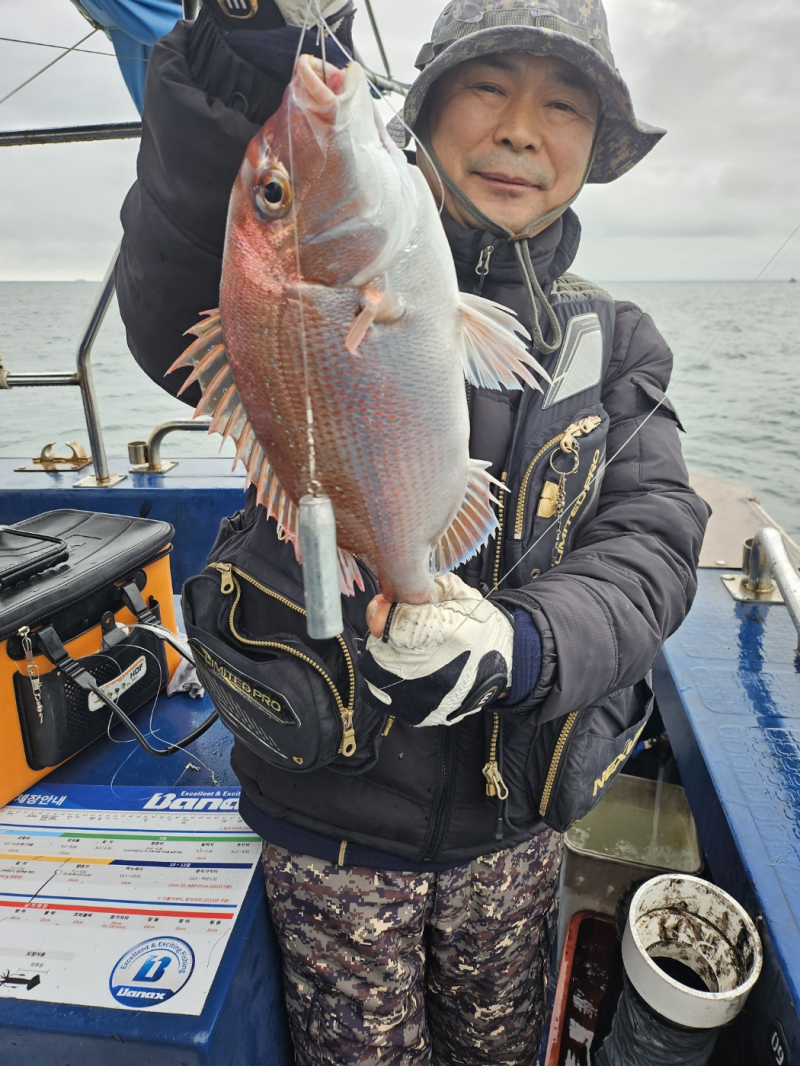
(373, 330)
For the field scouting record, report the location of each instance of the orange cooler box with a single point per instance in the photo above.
(66, 579)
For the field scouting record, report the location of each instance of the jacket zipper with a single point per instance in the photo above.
(577, 429)
(555, 761)
(441, 801)
(501, 522)
(229, 584)
(495, 785)
(482, 269)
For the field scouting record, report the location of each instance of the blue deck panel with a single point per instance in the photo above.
(194, 496)
(243, 1022)
(728, 687)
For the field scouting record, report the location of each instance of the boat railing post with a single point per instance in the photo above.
(765, 559)
(82, 377)
(101, 478)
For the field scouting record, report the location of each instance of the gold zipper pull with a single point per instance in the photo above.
(227, 585)
(495, 785)
(578, 429)
(32, 671)
(348, 745)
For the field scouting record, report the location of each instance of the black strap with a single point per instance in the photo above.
(51, 645)
(388, 626)
(134, 601)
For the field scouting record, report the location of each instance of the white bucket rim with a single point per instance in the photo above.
(673, 1000)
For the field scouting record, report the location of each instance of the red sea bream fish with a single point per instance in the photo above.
(334, 251)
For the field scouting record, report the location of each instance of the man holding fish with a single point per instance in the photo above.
(514, 555)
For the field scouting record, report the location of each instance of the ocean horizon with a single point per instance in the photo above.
(735, 384)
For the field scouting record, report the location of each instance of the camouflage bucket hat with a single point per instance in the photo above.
(573, 30)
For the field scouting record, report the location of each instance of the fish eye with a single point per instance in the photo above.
(272, 195)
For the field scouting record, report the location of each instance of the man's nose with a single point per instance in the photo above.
(518, 127)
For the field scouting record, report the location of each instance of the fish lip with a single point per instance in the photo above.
(316, 94)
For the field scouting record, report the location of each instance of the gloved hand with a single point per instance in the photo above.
(438, 662)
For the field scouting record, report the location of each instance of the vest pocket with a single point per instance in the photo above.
(558, 770)
(291, 700)
(585, 752)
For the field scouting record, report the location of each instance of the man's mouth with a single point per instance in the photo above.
(505, 180)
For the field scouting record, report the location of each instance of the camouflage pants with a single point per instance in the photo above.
(410, 969)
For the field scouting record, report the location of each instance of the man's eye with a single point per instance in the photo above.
(560, 105)
(488, 88)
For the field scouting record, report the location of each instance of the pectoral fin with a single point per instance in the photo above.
(493, 353)
(378, 304)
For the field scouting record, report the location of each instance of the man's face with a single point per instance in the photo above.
(514, 131)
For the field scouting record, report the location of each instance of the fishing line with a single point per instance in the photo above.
(378, 38)
(82, 51)
(710, 341)
(312, 454)
(58, 59)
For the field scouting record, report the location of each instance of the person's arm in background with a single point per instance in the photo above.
(203, 104)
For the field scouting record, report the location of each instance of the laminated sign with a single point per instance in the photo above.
(120, 898)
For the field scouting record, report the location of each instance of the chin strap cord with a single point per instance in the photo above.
(518, 241)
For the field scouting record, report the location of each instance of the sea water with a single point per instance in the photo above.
(736, 382)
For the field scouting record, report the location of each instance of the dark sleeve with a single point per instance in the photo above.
(203, 104)
(604, 613)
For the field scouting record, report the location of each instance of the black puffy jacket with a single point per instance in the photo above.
(606, 582)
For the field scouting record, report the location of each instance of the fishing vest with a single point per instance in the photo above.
(557, 452)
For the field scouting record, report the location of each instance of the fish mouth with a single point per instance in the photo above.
(323, 88)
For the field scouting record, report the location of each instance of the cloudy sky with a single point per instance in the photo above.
(715, 200)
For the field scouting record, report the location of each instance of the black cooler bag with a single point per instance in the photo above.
(67, 578)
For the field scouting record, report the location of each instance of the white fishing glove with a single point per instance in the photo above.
(438, 662)
(306, 12)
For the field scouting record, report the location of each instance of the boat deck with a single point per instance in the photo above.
(727, 684)
(243, 1020)
(728, 688)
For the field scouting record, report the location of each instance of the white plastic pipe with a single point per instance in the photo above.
(676, 916)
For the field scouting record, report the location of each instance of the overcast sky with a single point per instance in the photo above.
(714, 200)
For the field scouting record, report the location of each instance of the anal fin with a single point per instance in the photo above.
(493, 353)
(474, 524)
